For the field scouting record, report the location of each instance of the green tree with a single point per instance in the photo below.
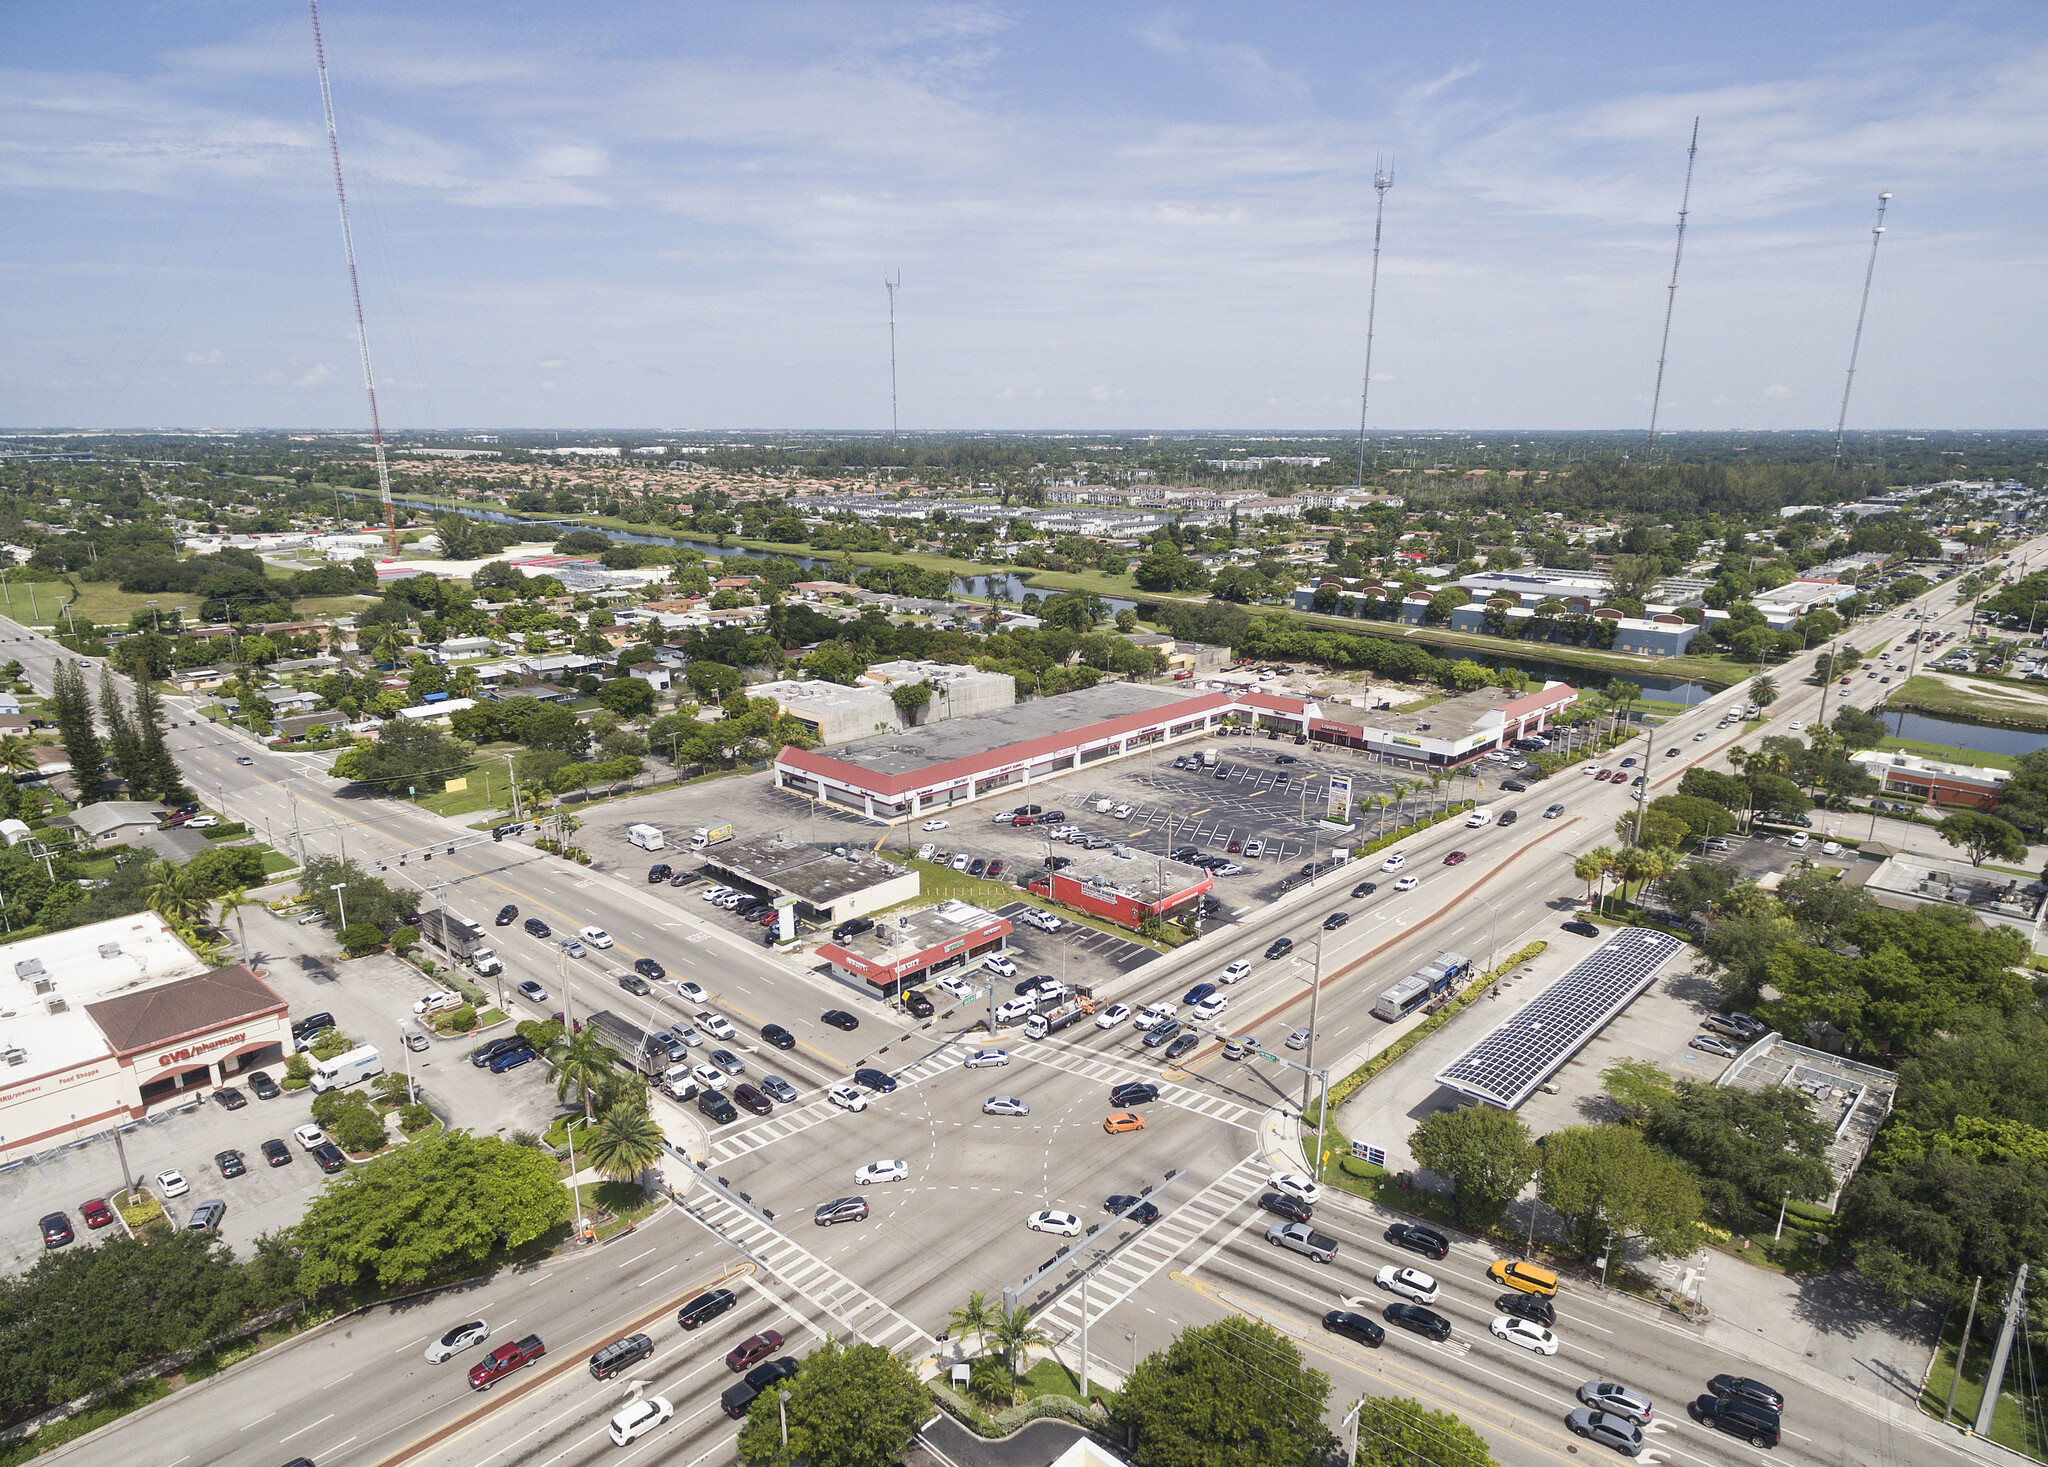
(624, 1143)
(123, 746)
(1702, 819)
(401, 1218)
(1488, 1153)
(351, 1120)
(1858, 729)
(580, 1062)
(359, 939)
(364, 897)
(1394, 1431)
(1763, 690)
(975, 1318)
(849, 1406)
(1609, 1177)
(1724, 790)
(1231, 1394)
(911, 699)
(173, 894)
(1014, 1336)
(1983, 835)
(71, 707)
(1636, 1085)
(233, 902)
(1749, 1148)
(407, 755)
(17, 754)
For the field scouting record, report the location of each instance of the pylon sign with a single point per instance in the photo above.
(1340, 799)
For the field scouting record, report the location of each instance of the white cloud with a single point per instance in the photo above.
(320, 373)
(205, 358)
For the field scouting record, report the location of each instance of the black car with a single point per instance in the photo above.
(1508, 817)
(1133, 1092)
(852, 927)
(265, 1087)
(768, 1372)
(878, 1081)
(1742, 1388)
(1582, 927)
(1513, 786)
(306, 1028)
(1140, 1210)
(1426, 1241)
(1182, 1044)
(230, 1163)
(1052, 817)
(507, 915)
(1030, 985)
(1187, 853)
(1422, 1321)
(752, 1099)
(1354, 1327)
(648, 968)
(840, 1019)
(277, 1153)
(483, 1054)
(1364, 889)
(1281, 948)
(1335, 920)
(634, 984)
(229, 1098)
(919, 1005)
(1026, 810)
(705, 1308)
(1288, 1206)
(714, 1104)
(977, 866)
(1060, 863)
(1737, 1417)
(538, 928)
(330, 1158)
(778, 1036)
(56, 1230)
(658, 873)
(1532, 1307)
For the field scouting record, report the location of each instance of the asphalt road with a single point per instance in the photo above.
(358, 1391)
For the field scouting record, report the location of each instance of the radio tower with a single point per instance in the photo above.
(891, 286)
(355, 289)
(1671, 299)
(1382, 180)
(1876, 234)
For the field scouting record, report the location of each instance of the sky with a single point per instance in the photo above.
(681, 216)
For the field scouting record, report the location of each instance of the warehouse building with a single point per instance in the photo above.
(834, 713)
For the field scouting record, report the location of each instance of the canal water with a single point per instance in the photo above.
(2012, 742)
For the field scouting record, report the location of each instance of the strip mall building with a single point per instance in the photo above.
(914, 774)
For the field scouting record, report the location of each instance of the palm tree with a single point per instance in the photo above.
(976, 1317)
(234, 901)
(580, 1062)
(624, 1144)
(1592, 868)
(1013, 1335)
(389, 641)
(17, 754)
(1625, 693)
(1763, 691)
(173, 895)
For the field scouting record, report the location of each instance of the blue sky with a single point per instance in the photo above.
(680, 216)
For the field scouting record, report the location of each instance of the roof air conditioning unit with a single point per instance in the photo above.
(56, 1005)
(46, 985)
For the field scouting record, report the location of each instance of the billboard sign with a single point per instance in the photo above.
(1340, 799)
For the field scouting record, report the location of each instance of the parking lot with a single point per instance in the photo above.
(370, 998)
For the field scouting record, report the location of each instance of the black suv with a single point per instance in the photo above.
(1738, 1418)
(705, 1308)
(1335, 920)
(1742, 1388)
(721, 1110)
(778, 1036)
(483, 1054)
(852, 927)
(1364, 889)
(304, 1029)
(1280, 948)
(1133, 1092)
(538, 928)
(1422, 1321)
(507, 914)
(1289, 1207)
(1354, 1327)
(1426, 1241)
(659, 873)
(919, 1005)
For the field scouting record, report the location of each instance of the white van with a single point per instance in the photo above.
(1481, 816)
(647, 837)
(1104, 806)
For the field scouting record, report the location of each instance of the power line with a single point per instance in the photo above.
(1382, 180)
(1876, 234)
(1671, 296)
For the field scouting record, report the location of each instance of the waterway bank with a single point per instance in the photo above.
(1973, 700)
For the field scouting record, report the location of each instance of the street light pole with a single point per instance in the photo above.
(412, 1094)
(340, 902)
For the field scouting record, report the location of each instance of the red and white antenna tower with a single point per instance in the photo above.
(355, 289)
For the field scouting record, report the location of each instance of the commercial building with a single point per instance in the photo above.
(1934, 780)
(835, 713)
(1662, 634)
(1455, 731)
(1851, 1100)
(1129, 889)
(909, 775)
(907, 951)
(826, 888)
(1904, 881)
(108, 1022)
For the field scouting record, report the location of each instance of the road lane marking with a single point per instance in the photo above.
(260, 1420)
(306, 1428)
(652, 1277)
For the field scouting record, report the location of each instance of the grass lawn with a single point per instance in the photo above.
(1977, 700)
(1951, 753)
(628, 1205)
(273, 863)
(2010, 1424)
(487, 786)
(1049, 1378)
(106, 602)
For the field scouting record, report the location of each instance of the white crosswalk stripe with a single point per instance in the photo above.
(846, 1302)
(784, 1124)
(1088, 1067)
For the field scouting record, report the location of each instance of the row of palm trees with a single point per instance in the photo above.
(1643, 865)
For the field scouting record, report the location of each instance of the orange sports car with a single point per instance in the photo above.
(1123, 1120)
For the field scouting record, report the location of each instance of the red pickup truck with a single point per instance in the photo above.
(502, 1361)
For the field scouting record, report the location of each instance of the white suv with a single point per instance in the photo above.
(1394, 863)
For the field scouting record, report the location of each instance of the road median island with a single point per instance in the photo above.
(572, 1359)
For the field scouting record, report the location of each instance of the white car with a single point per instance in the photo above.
(1237, 972)
(1044, 921)
(1408, 883)
(1049, 988)
(596, 937)
(1831, 848)
(1394, 862)
(1409, 1283)
(1112, 1016)
(1295, 1185)
(709, 1076)
(1059, 1224)
(926, 851)
(933, 825)
(1210, 1007)
(986, 1059)
(960, 862)
(1121, 812)
(173, 1183)
(716, 1026)
(847, 1098)
(1228, 868)
(1798, 840)
(713, 893)
(958, 987)
(997, 963)
(1004, 1105)
(1798, 723)
(1526, 1333)
(1253, 849)
(690, 992)
(433, 1003)
(457, 1340)
(202, 822)
(881, 1171)
(309, 1137)
(640, 1418)
(1153, 1015)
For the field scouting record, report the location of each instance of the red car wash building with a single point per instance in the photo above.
(1126, 890)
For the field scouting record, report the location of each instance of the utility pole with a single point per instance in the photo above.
(1876, 234)
(1382, 180)
(2000, 1352)
(1962, 1349)
(1671, 298)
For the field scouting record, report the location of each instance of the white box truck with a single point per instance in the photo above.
(707, 836)
(1208, 758)
(347, 1069)
(647, 837)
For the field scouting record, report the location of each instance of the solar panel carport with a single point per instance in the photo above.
(1505, 1067)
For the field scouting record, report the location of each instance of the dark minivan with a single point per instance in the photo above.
(620, 1354)
(705, 1307)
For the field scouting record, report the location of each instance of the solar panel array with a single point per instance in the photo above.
(1505, 1067)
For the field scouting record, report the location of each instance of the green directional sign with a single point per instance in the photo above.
(1264, 1056)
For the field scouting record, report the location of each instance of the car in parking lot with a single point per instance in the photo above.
(1713, 1044)
(173, 1184)
(1253, 849)
(997, 963)
(1418, 1239)
(97, 1214)
(56, 1230)
(1582, 926)
(513, 1058)
(919, 1003)
(490, 1049)
(1525, 1333)
(1004, 1105)
(1059, 1224)
(1354, 1327)
(1607, 1428)
(958, 987)
(277, 1153)
(933, 825)
(926, 851)
(330, 1158)
(263, 1087)
(206, 1217)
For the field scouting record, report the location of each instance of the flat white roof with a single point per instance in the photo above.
(46, 982)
